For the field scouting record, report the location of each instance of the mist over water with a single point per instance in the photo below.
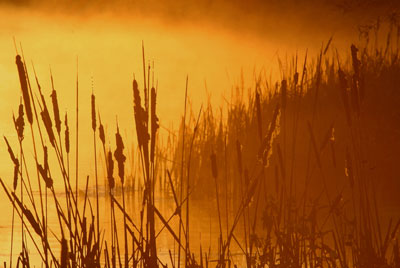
(213, 44)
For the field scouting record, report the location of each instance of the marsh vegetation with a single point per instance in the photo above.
(297, 170)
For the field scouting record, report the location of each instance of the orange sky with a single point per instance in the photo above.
(212, 50)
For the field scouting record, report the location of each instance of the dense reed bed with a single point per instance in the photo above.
(290, 170)
(304, 165)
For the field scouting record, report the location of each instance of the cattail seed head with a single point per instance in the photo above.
(64, 253)
(46, 158)
(16, 170)
(56, 111)
(44, 173)
(119, 155)
(24, 88)
(48, 125)
(28, 214)
(110, 171)
(93, 112)
(47, 121)
(20, 123)
(10, 151)
(265, 150)
(141, 119)
(296, 78)
(16, 164)
(154, 123)
(101, 132)
(66, 134)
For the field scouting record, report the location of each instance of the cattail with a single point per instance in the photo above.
(28, 214)
(136, 101)
(46, 158)
(46, 178)
(101, 132)
(119, 155)
(296, 78)
(47, 122)
(64, 253)
(141, 121)
(66, 134)
(20, 123)
(266, 145)
(214, 169)
(140, 118)
(154, 123)
(32, 221)
(48, 125)
(93, 112)
(16, 164)
(16, 170)
(56, 110)
(110, 171)
(84, 231)
(24, 88)
(10, 151)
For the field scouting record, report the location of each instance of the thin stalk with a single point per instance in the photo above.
(187, 250)
(182, 168)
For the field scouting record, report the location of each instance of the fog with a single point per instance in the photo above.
(214, 43)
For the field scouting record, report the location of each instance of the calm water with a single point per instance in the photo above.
(204, 227)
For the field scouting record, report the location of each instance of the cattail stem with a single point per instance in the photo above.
(93, 106)
(187, 249)
(77, 134)
(12, 236)
(182, 168)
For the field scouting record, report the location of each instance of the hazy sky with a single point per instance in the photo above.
(210, 41)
